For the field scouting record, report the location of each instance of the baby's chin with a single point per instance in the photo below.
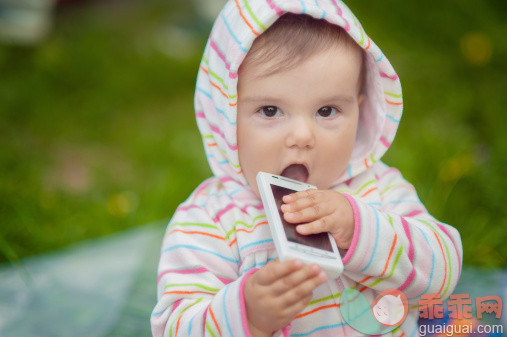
(327, 184)
(320, 184)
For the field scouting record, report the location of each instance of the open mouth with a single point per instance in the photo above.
(297, 172)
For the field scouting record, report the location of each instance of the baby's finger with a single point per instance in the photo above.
(294, 309)
(298, 195)
(304, 289)
(302, 203)
(322, 225)
(294, 279)
(276, 270)
(308, 214)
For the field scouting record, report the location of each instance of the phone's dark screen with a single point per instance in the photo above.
(320, 240)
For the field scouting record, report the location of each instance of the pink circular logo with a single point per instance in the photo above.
(390, 307)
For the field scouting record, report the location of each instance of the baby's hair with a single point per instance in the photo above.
(292, 39)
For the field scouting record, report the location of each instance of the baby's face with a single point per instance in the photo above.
(300, 123)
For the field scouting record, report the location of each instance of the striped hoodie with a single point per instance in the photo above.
(220, 235)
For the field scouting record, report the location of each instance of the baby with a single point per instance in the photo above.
(296, 88)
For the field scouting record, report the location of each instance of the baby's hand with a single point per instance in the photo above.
(277, 292)
(321, 211)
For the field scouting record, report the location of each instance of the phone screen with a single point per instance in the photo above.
(320, 241)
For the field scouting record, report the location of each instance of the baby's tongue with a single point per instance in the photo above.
(296, 172)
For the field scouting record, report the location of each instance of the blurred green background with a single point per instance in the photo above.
(98, 134)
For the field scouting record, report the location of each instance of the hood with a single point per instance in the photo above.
(234, 31)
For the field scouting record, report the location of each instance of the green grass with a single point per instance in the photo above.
(451, 142)
(98, 131)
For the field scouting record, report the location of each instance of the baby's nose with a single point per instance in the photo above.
(301, 134)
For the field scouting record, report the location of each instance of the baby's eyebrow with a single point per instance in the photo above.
(276, 100)
(339, 98)
(264, 99)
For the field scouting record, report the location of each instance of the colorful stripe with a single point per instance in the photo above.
(377, 230)
(357, 229)
(180, 315)
(199, 249)
(409, 238)
(432, 266)
(195, 270)
(245, 20)
(229, 29)
(384, 142)
(317, 309)
(222, 57)
(393, 268)
(274, 7)
(393, 77)
(256, 243)
(443, 229)
(321, 328)
(340, 13)
(392, 94)
(364, 186)
(224, 309)
(408, 281)
(215, 321)
(247, 6)
(220, 111)
(244, 224)
(201, 286)
(395, 187)
(446, 255)
(196, 233)
(242, 304)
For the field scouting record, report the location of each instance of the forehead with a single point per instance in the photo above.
(326, 72)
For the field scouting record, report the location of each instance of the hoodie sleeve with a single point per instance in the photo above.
(399, 245)
(199, 290)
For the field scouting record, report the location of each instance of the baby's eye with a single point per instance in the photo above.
(269, 111)
(327, 111)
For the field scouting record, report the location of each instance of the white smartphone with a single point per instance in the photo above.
(314, 248)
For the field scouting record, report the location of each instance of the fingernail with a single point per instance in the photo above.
(298, 263)
(322, 276)
(284, 208)
(315, 268)
(287, 198)
(301, 229)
